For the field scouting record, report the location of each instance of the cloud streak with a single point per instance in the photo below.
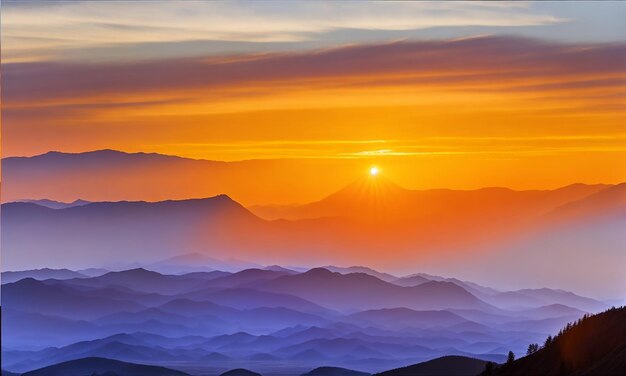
(77, 25)
(526, 64)
(408, 147)
(523, 96)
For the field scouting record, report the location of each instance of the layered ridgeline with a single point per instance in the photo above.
(163, 282)
(366, 220)
(270, 320)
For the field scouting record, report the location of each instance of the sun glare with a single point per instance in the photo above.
(374, 171)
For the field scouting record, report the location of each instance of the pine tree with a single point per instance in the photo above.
(532, 348)
(488, 368)
(510, 358)
(548, 341)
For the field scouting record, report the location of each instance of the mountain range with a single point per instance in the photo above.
(66, 177)
(267, 320)
(592, 345)
(494, 224)
(119, 281)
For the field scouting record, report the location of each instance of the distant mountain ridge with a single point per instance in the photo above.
(40, 274)
(606, 202)
(103, 156)
(336, 290)
(122, 227)
(369, 215)
(131, 176)
(214, 226)
(56, 204)
(383, 198)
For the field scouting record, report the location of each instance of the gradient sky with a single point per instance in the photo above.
(448, 94)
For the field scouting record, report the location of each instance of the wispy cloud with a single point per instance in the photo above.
(494, 64)
(35, 31)
(424, 146)
(487, 86)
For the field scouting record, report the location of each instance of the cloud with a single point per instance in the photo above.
(485, 63)
(78, 25)
(486, 86)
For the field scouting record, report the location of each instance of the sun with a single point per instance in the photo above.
(374, 171)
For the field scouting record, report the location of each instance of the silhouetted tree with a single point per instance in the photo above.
(488, 368)
(532, 348)
(548, 341)
(510, 358)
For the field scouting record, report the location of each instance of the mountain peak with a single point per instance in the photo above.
(137, 271)
(321, 272)
(365, 198)
(133, 274)
(371, 185)
(240, 372)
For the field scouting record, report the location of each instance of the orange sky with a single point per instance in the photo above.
(457, 113)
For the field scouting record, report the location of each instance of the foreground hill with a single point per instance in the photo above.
(444, 366)
(334, 371)
(594, 346)
(240, 372)
(109, 367)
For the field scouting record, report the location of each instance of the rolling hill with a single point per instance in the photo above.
(40, 274)
(90, 366)
(240, 372)
(346, 291)
(334, 371)
(261, 317)
(63, 301)
(444, 366)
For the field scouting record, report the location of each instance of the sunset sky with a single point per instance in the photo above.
(458, 95)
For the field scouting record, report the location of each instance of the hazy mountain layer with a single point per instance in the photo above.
(269, 321)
